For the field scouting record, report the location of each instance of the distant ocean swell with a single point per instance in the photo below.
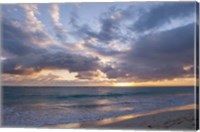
(81, 95)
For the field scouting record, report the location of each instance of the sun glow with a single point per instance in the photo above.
(123, 84)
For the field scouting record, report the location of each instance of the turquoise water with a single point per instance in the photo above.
(37, 106)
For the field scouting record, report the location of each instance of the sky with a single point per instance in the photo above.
(98, 44)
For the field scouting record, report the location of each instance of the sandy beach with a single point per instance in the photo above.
(182, 117)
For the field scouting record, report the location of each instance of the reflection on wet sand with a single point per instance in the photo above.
(112, 121)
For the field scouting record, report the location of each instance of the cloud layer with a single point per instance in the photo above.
(112, 43)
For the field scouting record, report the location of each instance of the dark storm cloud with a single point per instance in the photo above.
(30, 58)
(109, 27)
(174, 45)
(87, 75)
(158, 56)
(117, 72)
(163, 14)
(60, 60)
(17, 41)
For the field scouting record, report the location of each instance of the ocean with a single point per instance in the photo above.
(39, 106)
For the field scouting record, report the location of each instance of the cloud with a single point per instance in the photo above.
(18, 42)
(109, 32)
(59, 30)
(32, 22)
(158, 56)
(109, 27)
(128, 23)
(46, 60)
(90, 75)
(95, 46)
(15, 80)
(73, 18)
(112, 50)
(10, 79)
(29, 32)
(162, 14)
(109, 22)
(55, 14)
(29, 58)
(48, 77)
(115, 72)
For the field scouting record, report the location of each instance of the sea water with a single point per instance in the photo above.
(39, 106)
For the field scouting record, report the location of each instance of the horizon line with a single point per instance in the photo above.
(100, 86)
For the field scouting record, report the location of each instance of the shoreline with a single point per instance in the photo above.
(181, 117)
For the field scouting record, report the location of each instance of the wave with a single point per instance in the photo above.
(81, 96)
(44, 95)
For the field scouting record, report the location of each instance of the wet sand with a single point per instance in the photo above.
(182, 117)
